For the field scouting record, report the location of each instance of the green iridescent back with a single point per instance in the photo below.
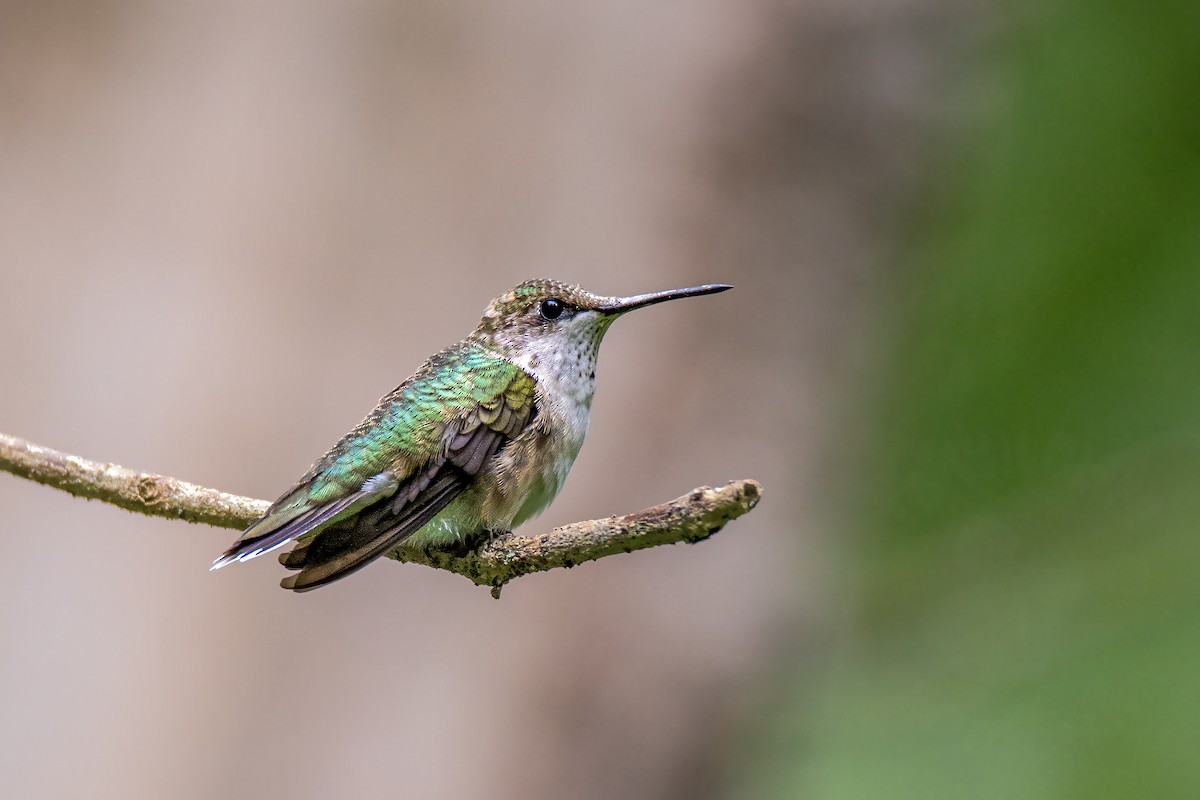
(408, 427)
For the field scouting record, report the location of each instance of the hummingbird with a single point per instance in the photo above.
(477, 441)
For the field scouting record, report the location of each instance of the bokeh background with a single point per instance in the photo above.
(963, 356)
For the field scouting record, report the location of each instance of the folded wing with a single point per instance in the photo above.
(417, 451)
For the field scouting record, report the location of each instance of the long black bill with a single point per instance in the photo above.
(620, 305)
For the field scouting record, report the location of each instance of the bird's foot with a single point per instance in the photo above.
(492, 534)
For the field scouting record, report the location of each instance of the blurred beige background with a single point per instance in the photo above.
(227, 228)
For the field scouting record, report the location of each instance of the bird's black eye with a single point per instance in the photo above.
(552, 308)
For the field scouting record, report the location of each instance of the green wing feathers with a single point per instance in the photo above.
(412, 455)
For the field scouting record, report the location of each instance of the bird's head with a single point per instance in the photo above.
(543, 317)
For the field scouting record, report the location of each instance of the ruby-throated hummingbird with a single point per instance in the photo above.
(477, 441)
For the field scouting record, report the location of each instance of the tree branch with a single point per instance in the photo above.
(142, 492)
(690, 518)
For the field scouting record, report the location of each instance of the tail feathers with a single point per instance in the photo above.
(252, 548)
(295, 558)
(337, 552)
(280, 526)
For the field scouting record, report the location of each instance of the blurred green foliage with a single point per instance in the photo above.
(1024, 584)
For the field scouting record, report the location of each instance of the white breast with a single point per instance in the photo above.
(531, 470)
(565, 369)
